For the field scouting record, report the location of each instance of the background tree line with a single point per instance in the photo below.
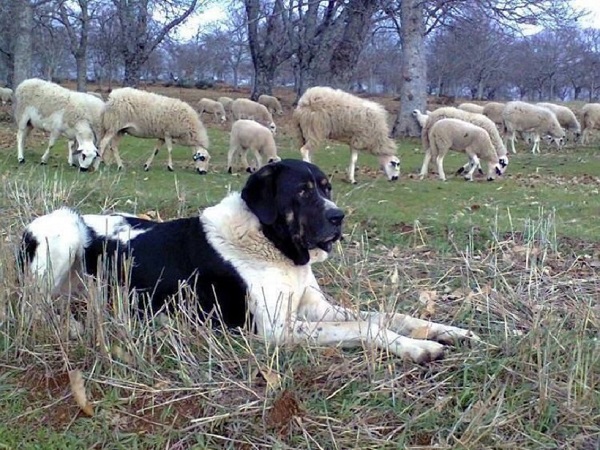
(409, 48)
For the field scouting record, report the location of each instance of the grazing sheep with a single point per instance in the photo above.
(5, 95)
(456, 134)
(242, 108)
(226, 102)
(493, 110)
(272, 104)
(420, 117)
(212, 107)
(471, 107)
(480, 120)
(146, 115)
(250, 135)
(520, 116)
(61, 112)
(590, 118)
(566, 118)
(326, 113)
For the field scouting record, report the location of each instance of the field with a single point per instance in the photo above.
(515, 260)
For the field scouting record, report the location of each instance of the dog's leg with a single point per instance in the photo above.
(314, 307)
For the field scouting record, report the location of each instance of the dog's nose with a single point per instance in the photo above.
(335, 216)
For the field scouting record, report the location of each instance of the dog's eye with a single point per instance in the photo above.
(302, 193)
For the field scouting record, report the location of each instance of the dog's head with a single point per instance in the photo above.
(292, 200)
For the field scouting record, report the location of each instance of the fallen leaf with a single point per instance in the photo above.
(272, 378)
(394, 278)
(428, 298)
(78, 390)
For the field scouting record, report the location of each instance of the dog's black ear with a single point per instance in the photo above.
(259, 193)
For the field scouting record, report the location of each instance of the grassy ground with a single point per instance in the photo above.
(516, 260)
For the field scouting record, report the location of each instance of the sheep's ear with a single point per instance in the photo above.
(259, 193)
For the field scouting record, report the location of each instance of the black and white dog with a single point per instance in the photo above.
(251, 254)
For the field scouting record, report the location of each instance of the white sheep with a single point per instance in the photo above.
(590, 118)
(272, 104)
(326, 113)
(146, 115)
(566, 118)
(226, 102)
(250, 135)
(471, 107)
(458, 135)
(5, 95)
(61, 112)
(242, 108)
(420, 117)
(212, 107)
(520, 116)
(493, 110)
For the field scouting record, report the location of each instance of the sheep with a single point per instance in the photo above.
(471, 107)
(250, 135)
(521, 116)
(566, 118)
(272, 104)
(242, 108)
(146, 115)
(420, 117)
(326, 113)
(59, 111)
(212, 106)
(456, 134)
(493, 110)
(590, 118)
(5, 95)
(480, 120)
(226, 102)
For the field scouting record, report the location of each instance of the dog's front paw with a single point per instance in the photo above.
(452, 335)
(423, 352)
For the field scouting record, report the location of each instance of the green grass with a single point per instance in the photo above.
(515, 260)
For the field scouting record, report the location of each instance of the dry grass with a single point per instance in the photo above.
(177, 383)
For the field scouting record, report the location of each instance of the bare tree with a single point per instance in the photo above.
(140, 33)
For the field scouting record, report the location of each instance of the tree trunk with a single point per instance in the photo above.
(413, 92)
(133, 68)
(22, 47)
(81, 65)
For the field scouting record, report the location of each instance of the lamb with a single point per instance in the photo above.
(272, 104)
(471, 107)
(146, 115)
(566, 118)
(521, 116)
(420, 117)
(5, 95)
(61, 112)
(493, 110)
(242, 108)
(326, 113)
(480, 120)
(250, 135)
(212, 106)
(456, 134)
(590, 118)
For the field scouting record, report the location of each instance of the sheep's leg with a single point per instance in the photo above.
(167, 140)
(22, 133)
(305, 151)
(536, 143)
(230, 154)
(513, 137)
(70, 159)
(474, 163)
(352, 167)
(51, 141)
(157, 147)
(104, 144)
(115, 148)
(258, 158)
(440, 167)
(425, 165)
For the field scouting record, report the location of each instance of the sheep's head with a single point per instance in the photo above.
(86, 151)
(274, 159)
(201, 159)
(391, 166)
(223, 118)
(273, 128)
